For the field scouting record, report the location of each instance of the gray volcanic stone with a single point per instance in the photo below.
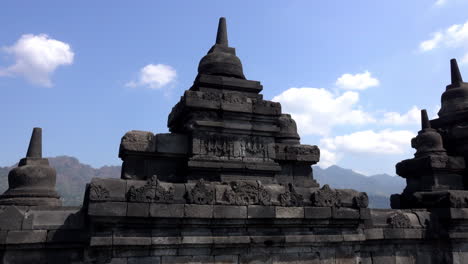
(32, 183)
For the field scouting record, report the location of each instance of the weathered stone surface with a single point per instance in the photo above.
(108, 209)
(107, 190)
(136, 140)
(32, 183)
(26, 237)
(11, 218)
(229, 211)
(138, 209)
(317, 212)
(198, 211)
(289, 212)
(258, 211)
(166, 210)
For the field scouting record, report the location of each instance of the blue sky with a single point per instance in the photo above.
(354, 74)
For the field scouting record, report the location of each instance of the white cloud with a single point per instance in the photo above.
(317, 110)
(432, 43)
(327, 158)
(455, 36)
(37, 57)
(154, 76)
(386, 142)
(440, 2)
(412, 117)
(465, 59)
(359, 81)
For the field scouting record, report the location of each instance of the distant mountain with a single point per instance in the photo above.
(72, 177)
(378, 187)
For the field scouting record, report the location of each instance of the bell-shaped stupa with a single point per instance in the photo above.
(32, 183)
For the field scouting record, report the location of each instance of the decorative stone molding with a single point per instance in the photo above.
(98, 192)
(291, 197)
(200, 194)
(247, 193)
(361, 201)
(399, 220)
(326, 197)
(152, 191)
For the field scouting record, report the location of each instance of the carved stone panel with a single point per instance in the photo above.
(399, 220)
(98, 192)
(247, 193)
(200, 194)
(325, 197)
(241, 148)
(152, 191)
(291, 197)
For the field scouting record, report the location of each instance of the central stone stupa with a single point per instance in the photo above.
(222, 130)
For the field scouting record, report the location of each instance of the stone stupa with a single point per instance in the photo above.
(32, 183)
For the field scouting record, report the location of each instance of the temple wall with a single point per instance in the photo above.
(113, 233)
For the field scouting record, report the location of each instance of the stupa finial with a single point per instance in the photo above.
(455, 72)
(221, 36)
(35, 144)
(424, 120)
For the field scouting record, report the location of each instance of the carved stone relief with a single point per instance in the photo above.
(152, 191)
(399, 220)
(325, 197)
(200, 194)
(291, 197)
(247, 193)
(98, 192)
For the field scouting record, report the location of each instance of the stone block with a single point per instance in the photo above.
(289, 212)
(198, 211)
(118, 261)
(108, 209)
(26, 237)
(187, 259)
(144, 260)
(199, 240)
(166, 210)
(107, 190)
(364, 213)
(98, 241)
(135, 140)
(300, 238)
(11, 218)
(256, 259)
(260, 211)
(317, 212)
(54, 219)
(138, 209)
(131, 241)
(403, 233)
(67, 236)
(345, 213)
(329, 238)
(3, 236)
(130, 251)
(229, 211)
(374, 233)
(171, 143)
(268, 240)
(163, 251)
(226, 259)
(231, 239)
(353, 235)
(19, 257)
(381, 258)
(162, 241)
